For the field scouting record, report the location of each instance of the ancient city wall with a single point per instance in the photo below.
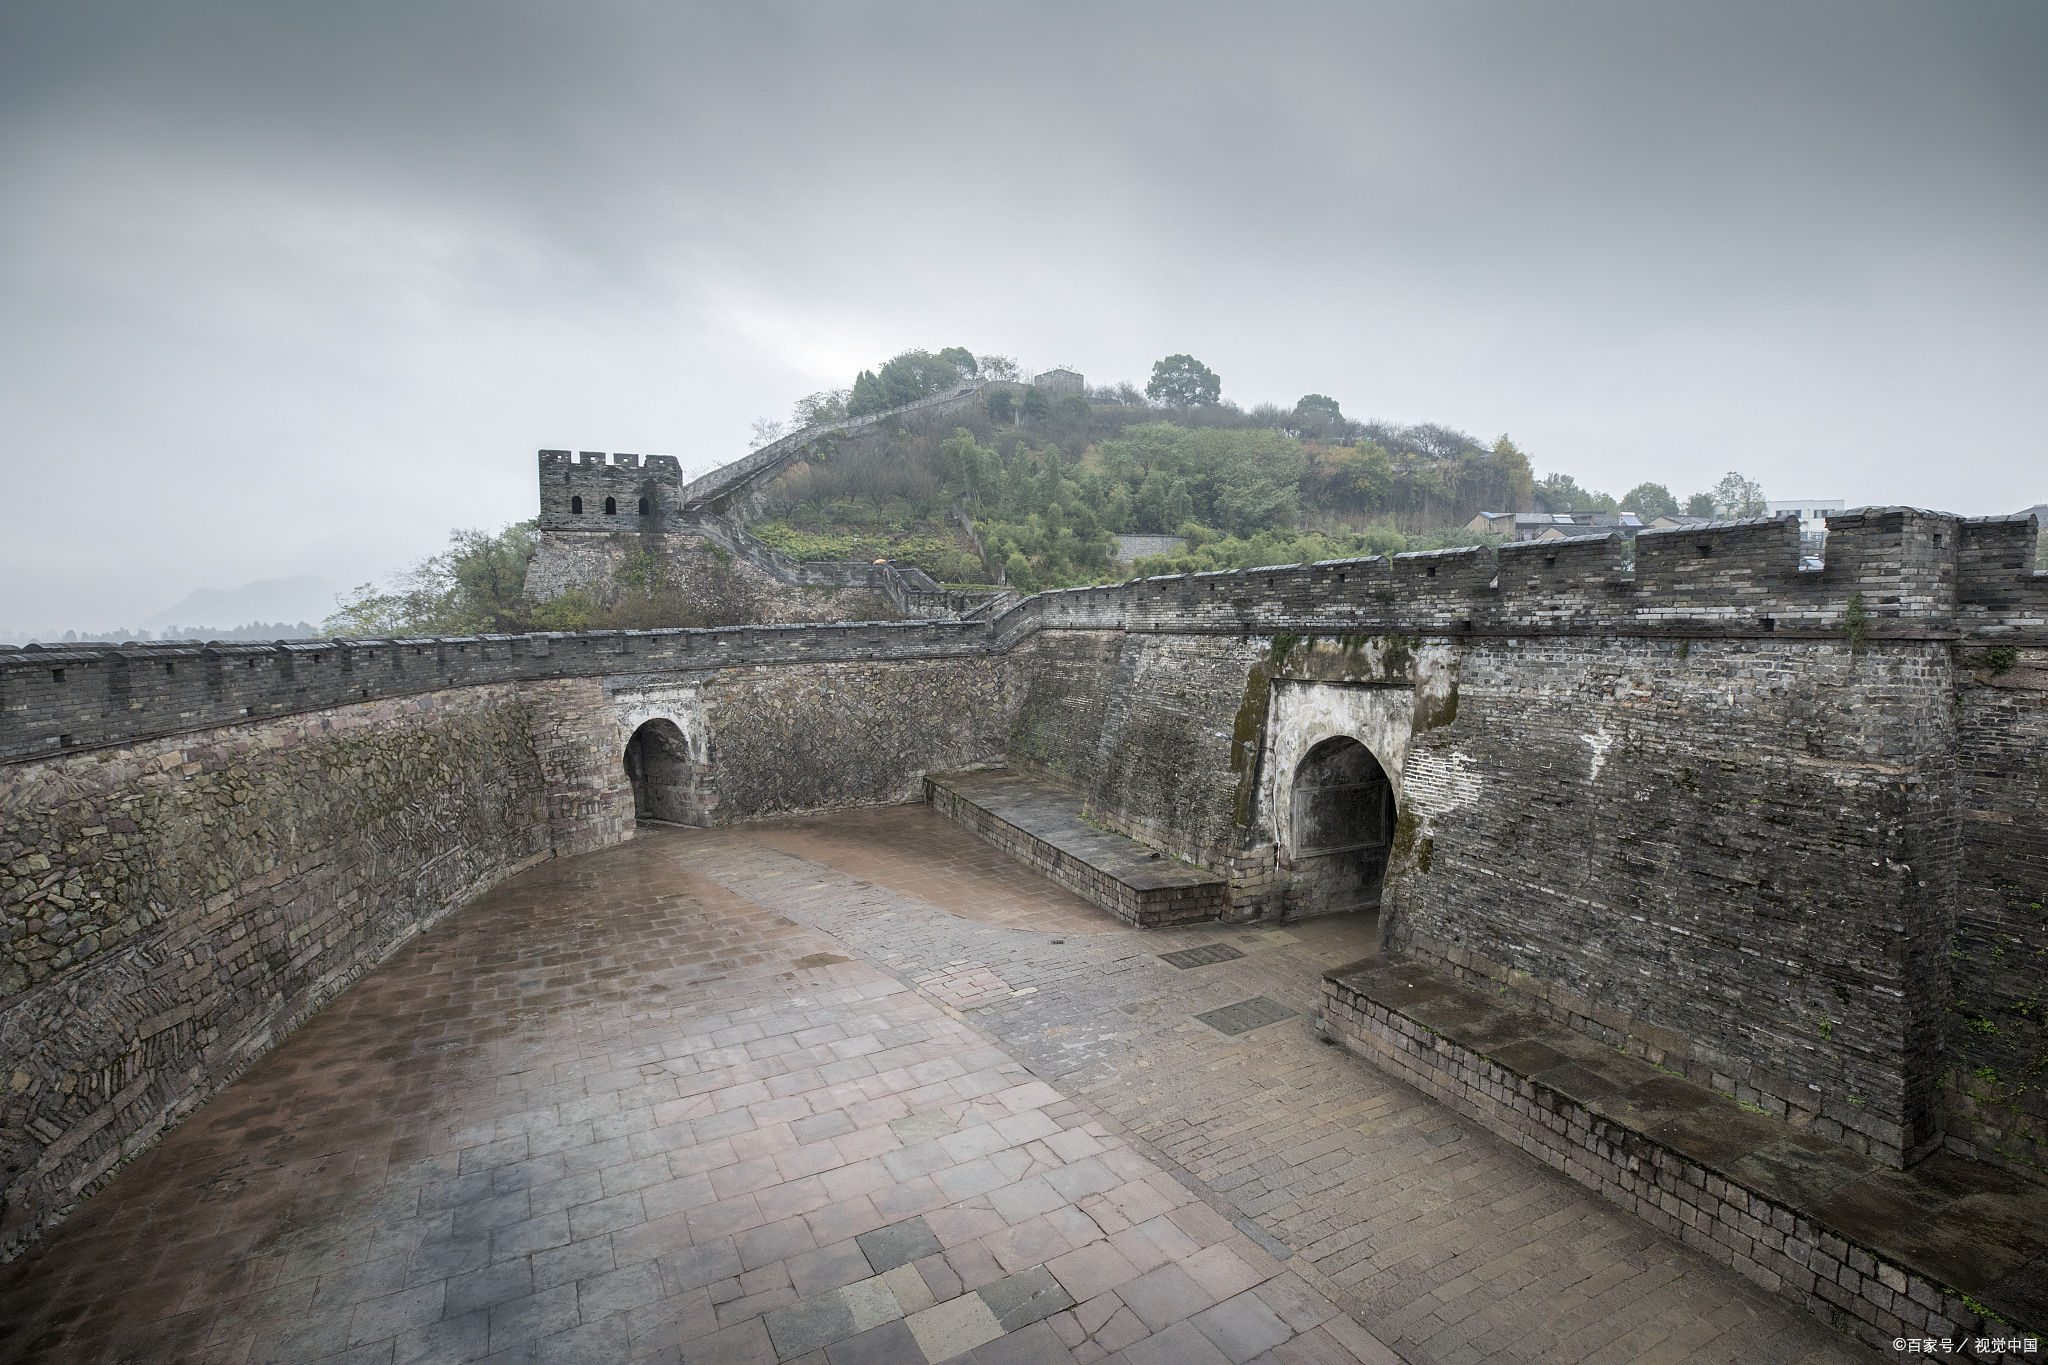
(786, 740)
(1736, 857)
(174, 907)
(1689, 805)
(1997, 1064)
(722, 581)
(1739, 579)
(1141, 726)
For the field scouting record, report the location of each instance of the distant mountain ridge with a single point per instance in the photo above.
(303, 598)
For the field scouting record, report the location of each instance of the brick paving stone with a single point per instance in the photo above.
(1024, 1298)
(889, 1344)
(1241, 1327)
(898, 1244)
(683, 1067)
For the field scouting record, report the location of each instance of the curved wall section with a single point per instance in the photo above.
(176, 907)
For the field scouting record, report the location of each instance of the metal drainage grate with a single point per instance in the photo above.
(1202, 956)
(1247, 1015)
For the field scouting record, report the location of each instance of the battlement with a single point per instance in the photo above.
(1891, 573)
(582, 491)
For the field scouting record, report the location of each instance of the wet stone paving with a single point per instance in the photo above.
(851, 1089)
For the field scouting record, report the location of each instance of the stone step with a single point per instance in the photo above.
(1042, 826)
(1952, 1248)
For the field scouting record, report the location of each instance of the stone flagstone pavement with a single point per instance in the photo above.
(846, 1090)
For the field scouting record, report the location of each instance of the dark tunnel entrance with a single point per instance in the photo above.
(658, 766)
(1343, 829)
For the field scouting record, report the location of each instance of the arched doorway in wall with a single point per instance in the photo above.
(658, 766)
(1343, 829)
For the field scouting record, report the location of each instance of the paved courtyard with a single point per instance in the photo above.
(851, 1089)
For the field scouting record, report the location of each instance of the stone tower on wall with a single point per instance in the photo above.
(1060, 382)
(585, 493)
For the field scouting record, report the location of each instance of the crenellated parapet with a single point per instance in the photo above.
(1890, 573)
(585, 491)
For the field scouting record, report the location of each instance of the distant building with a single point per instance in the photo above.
(1060, 382)
(1812, 513)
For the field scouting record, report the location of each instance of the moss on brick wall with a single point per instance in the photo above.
(856, 734)
(171, 909)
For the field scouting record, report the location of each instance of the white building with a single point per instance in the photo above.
(1812, 512)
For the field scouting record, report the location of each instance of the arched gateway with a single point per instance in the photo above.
(658, 765)
(1343, 828)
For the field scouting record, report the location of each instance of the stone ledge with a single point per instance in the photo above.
(1041, 826)
(1950, 1248)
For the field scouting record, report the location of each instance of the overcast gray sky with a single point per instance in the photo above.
(295, 288)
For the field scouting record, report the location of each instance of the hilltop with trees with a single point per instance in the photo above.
(1048, 484)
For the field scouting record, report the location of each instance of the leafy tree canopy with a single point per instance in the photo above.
(914, 375)
(1738, 496)
(961, 359)
(1561, 493)
(1650, 500)
(1700, 505)
(868, 395)
(1181, 381)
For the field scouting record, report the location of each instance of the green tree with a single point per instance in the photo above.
(826, 406)
(1561, 493)
(1181, 381)
(1738, 496)
(1516, 492)
(477, 584)
(1018, 570)
(1700, 505)
(867, 395)
(1002, 407)
(915, 374)
(1650, 500)
(1037, 403)
(961, 359)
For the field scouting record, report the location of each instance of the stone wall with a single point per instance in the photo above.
(174, 908)
(1189, 742)
(787, 740)
(1771, 1239)
(728, 587)
(1736, 857)
(1733, 815)
(1140, 726)
(1997, 1073)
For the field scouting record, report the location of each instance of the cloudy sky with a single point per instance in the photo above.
(294, 288)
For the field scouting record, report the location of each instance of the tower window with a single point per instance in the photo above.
(576, 506)
(611, 507)
(643, 507)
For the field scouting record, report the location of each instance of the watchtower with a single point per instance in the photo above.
(630, 493)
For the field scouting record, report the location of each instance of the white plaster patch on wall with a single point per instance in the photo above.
(1445, 789)
(1601, 742)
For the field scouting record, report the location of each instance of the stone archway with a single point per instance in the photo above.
(1343, 829)
(658, 766)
